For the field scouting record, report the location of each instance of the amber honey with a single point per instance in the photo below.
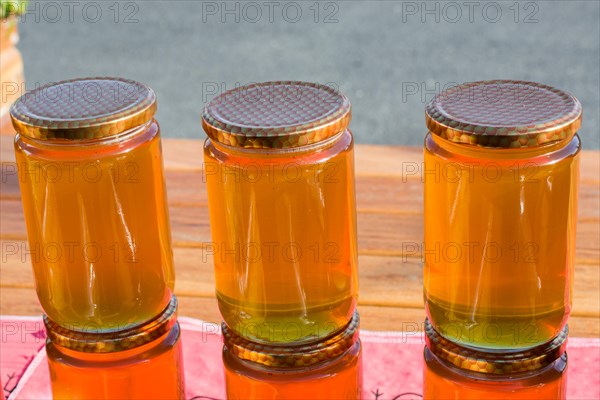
(90, 171)
(501, 173)
(282, 210)
(142, 363)
(455, 372)
(329, 369)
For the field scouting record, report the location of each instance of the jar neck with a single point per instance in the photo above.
(495, 362)
(120, 138)
(287, 151)
(326, 364)
(116, 341)
(169, 338)
(293, 357)
(473, 151)
(559, 365)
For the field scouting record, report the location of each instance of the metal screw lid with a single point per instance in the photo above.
(290, 356)
(503, 114)
(276, 115)
(81, 109)
(497, 363)
(110, 342)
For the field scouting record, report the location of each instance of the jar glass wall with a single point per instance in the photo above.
(500, 221)
(144, 363)
(283, 217)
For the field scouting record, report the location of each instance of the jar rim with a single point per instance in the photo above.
(291, 356)
(495, 362)
(114, 341)
(83, 109)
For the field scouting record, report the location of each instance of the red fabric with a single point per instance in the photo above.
(392, 362)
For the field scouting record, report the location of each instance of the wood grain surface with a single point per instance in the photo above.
(389, 201)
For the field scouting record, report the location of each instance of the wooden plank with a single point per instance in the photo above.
(205, 308)
(185, 154)
(407, 320)
(23, 301)
(7, 152)
(384, 281)
(6, 128)
(370, 160)
(379, 234)
(15, 301)
(374, 194)
(19, 301)
(389, 202)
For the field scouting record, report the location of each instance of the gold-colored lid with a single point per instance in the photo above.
(276, 115)
(290, 356)
(503, 114)
(109, 342)
(497, 363)
(80, 109)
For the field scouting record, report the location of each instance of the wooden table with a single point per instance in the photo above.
(390, 212)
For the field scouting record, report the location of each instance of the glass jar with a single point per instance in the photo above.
(456, 372)
(329, 369)
(279, 170)
(91, 176)
(141, 363)
(501, 175)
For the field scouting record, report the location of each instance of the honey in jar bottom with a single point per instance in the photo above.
(339, 379)
(151, 371)
(286, 323)
(492, 328)
(441, 382)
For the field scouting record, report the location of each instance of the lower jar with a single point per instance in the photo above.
(456, 372)
(328, 369)
(140, 363)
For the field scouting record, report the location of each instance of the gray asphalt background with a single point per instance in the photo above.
(389, 57)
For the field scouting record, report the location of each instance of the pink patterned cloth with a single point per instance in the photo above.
(392, 362)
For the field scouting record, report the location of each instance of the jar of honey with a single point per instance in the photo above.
(279, 170)
(90, 169)
(452, 371)
(501, 175)
(140, 363)
(328, 369)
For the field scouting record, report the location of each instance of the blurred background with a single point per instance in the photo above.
(389, 57)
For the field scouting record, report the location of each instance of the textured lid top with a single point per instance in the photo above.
(80, 109)
(108, 342)
(276, 115)
(289, 356)
(497, 363)
(503, 114)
